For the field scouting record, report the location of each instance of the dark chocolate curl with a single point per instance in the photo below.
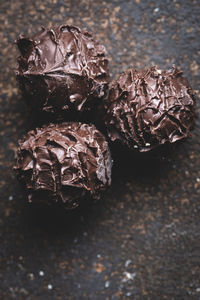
(64, 163)
(148, 108)
(62, 70)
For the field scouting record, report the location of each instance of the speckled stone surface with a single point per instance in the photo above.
(142, 240)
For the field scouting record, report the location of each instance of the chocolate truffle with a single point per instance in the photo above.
(64, 163)
(148, 108)
(62, 70)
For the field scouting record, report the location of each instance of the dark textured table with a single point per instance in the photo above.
(142, 240)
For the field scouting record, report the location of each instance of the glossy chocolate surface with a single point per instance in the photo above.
(62, 70)
(64, 162)
(148, 108)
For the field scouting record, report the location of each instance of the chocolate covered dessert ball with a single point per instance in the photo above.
(62, 70)
(64, 163)
(148, 108)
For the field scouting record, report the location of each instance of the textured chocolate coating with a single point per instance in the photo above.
(62, 70)
(151, 107)
(64, 163)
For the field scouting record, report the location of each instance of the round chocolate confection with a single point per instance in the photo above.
(148, 108)
(62, 70)
(64, 163)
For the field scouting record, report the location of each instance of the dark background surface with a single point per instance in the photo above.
(142, 241)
